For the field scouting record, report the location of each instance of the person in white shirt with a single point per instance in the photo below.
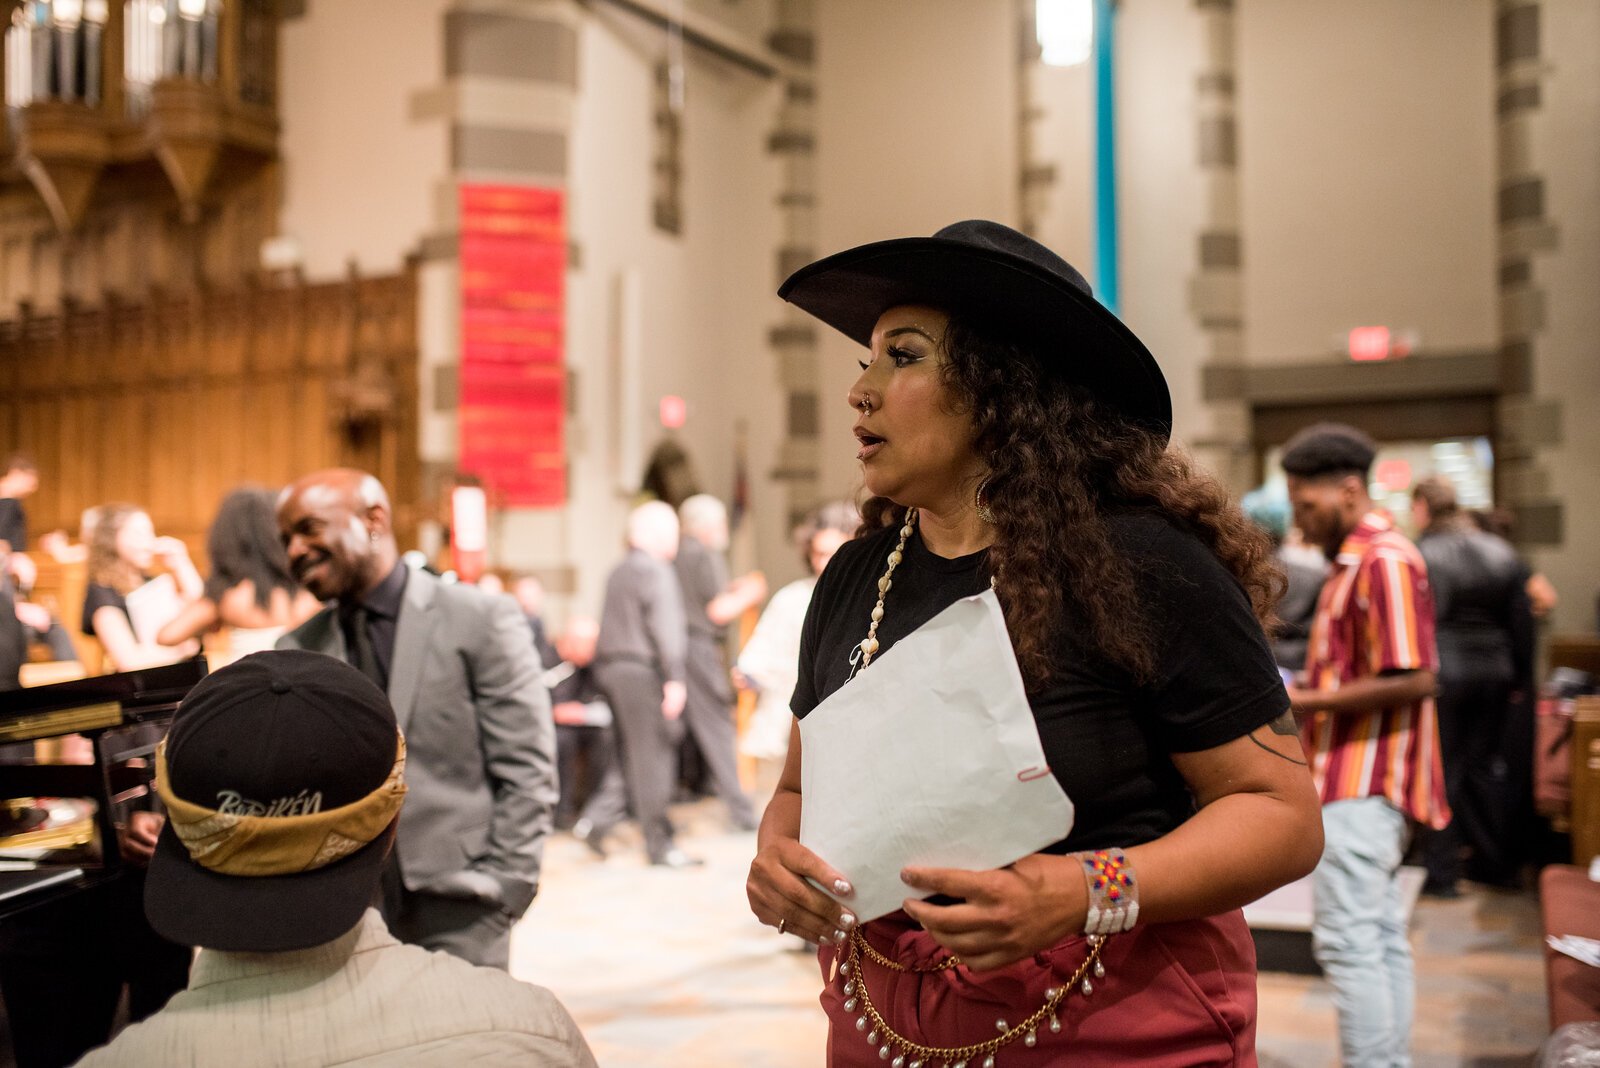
(768, 663)
(283, 776)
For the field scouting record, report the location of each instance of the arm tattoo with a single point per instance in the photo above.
(1277, 726)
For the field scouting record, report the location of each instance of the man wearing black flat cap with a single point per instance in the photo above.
(1370, 732)
(284, 775)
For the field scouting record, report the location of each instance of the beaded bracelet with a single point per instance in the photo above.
(1113, 892)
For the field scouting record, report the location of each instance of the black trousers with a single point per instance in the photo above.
(63, 967)
(476, 931)
(1477, 782)
(708, 715)
(586, 760)
(647, 742)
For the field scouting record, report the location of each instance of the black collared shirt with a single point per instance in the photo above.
(383, 616)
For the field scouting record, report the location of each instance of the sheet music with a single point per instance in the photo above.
(152, 606)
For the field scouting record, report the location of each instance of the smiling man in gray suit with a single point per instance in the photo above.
(465, 684)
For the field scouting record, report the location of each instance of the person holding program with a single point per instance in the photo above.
(1013, 432)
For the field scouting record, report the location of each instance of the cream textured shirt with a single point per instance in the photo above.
(362, 999)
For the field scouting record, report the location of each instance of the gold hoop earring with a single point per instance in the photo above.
(985, 513)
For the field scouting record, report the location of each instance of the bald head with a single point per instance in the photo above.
(577, 642)
(653, 528)
(336, 530)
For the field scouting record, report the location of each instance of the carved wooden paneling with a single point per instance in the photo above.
(172, 403)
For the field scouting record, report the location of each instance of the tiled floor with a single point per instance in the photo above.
(666, 968)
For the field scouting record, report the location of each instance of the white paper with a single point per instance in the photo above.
(929, 756)
(1577, 947)
(152, 606)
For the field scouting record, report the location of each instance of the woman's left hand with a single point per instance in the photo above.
(1005, 915)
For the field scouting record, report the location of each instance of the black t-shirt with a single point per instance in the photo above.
(97, 597)
(13, 524)
(1108, 741)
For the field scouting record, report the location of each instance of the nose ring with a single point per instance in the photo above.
(865, 406)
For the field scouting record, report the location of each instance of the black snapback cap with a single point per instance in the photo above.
(276, 734)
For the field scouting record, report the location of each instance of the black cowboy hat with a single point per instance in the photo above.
(1004, 280)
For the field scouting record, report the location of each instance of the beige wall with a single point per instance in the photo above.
(1366, 144)
(916, 121)
(1062, 138)
(704, 298)
(359, 172)
(1366, 150)
(1161, 199)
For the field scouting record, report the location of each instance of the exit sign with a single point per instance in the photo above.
(1369, 343)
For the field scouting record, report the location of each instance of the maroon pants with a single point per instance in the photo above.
(1175, 995)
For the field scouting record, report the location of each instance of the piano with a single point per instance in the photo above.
(122, 715)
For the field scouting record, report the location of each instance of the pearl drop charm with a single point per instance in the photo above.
(1088, 987)
(849, 1004)
(872, 1038)
(1000, 1025)
(861, 1023)
(844, 969)
(1099, 970)
(1055, 1026)
(988, 1062)
(898, 1062)
(883, 1054)
(1030, 1039)
(850, 987)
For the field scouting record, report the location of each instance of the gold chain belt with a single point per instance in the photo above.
(901, 1052)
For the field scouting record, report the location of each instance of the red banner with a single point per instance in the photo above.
(513, 340)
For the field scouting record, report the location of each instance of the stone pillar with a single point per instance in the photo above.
(1527, 236)
(510, 78)
(1548, 181)
(794, 337)
(1035, 176)
(1216, 287)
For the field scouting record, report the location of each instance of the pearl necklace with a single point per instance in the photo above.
(861, 655)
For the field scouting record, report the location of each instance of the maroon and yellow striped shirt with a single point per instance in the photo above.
(1375, 615)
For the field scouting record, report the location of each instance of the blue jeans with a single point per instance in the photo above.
(1358, 931)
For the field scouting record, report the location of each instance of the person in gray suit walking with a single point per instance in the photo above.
(639, 663)
(465, 683)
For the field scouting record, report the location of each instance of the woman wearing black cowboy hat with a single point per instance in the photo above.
(1011, 430)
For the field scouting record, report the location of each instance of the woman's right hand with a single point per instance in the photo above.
(171, 550)
(781, 897)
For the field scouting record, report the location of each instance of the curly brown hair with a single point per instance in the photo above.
(106, 565)
(1061, 463)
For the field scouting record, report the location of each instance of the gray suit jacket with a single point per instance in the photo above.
(480, 743)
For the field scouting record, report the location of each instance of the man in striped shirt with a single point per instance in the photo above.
(1370, 735)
